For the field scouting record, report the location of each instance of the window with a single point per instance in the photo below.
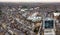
(49, 24)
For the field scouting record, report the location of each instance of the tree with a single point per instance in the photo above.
(24, 6)
(0, 12)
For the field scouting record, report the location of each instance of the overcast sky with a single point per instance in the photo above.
(29, 0)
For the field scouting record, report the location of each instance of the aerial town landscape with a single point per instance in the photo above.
(29, 18)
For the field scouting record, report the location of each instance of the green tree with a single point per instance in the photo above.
(24, 6)
(0, 12)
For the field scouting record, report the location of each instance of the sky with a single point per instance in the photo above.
(42, 1)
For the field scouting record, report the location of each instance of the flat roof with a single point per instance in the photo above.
(56, 14)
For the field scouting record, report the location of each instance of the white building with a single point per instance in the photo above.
(56, 14)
